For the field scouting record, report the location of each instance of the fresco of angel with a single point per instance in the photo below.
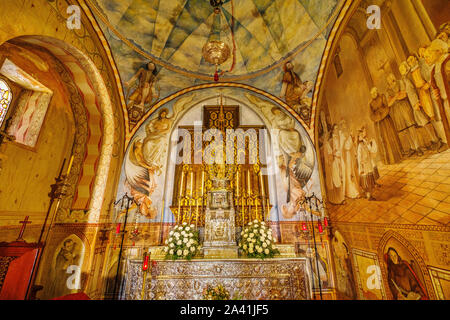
(296, 161)
(146, 157)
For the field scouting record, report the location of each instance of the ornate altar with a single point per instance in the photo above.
(245, 180)
(274, 279)
(220, 228)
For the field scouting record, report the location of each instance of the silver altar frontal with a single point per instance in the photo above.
(247, 279)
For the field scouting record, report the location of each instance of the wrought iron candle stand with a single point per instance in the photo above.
(310, 203)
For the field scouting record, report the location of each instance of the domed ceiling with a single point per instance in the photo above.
(260, 33)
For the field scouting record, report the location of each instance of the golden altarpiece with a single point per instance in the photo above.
(221, 196)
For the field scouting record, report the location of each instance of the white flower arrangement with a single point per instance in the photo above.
(257, 241)
(183, 242)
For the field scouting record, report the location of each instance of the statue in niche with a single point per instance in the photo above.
(144, 93)
(146, 157)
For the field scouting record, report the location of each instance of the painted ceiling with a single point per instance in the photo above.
(174, 32)
(266, 34)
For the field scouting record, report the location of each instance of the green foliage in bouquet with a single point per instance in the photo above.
(257, 241)
(183, 242)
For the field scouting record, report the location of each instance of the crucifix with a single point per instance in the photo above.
(103, 237)
(22, 230)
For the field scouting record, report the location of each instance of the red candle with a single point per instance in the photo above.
(325, 222)
(319, 225)
(304, 227)
(145, 265)
(118, 228)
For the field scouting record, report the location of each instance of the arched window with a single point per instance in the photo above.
(5, 100)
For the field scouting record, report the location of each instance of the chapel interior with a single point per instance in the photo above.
(320, 128)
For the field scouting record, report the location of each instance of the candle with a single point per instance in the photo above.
(181, 185)
(145, 265)
(263, 192)
(70, 166)
(304, 227)
(248, 182)
(203, 180)
(319, 225)
(192, 183)
(237, 183)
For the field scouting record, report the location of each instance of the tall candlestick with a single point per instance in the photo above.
(203, 181)
(237, 184)
(70, 166)
(242, 200)
(248, 182)
(192, 183)
(263, 194)
(180, 195)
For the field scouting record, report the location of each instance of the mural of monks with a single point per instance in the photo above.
(402, 114)
(384, 126)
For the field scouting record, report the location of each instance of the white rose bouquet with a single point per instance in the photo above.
(257, 241)
(183, 242)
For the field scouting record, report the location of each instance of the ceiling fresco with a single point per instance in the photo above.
(174, 32)
(262, 35)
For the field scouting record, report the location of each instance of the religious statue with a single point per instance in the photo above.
(146, 157)
(403, 281)
(384, 127)
(295, 91)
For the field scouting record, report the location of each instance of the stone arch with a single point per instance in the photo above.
(414, 253)
(95, 162)
(275, 100)
(90, 49)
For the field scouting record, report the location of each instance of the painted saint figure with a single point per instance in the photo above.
(68, 255)
(368, 171)
(419, 97)
(384, 127)
(350, 169)
(146, 158)
(402, 115)
(403, 281)
(144, 93)
(295, 91)
(296, 161)
(437, 57)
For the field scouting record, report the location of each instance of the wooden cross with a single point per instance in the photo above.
(22, 230)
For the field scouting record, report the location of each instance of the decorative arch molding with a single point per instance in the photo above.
(274, 99)
(410, 248)
(327, 59)
(92, 184)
